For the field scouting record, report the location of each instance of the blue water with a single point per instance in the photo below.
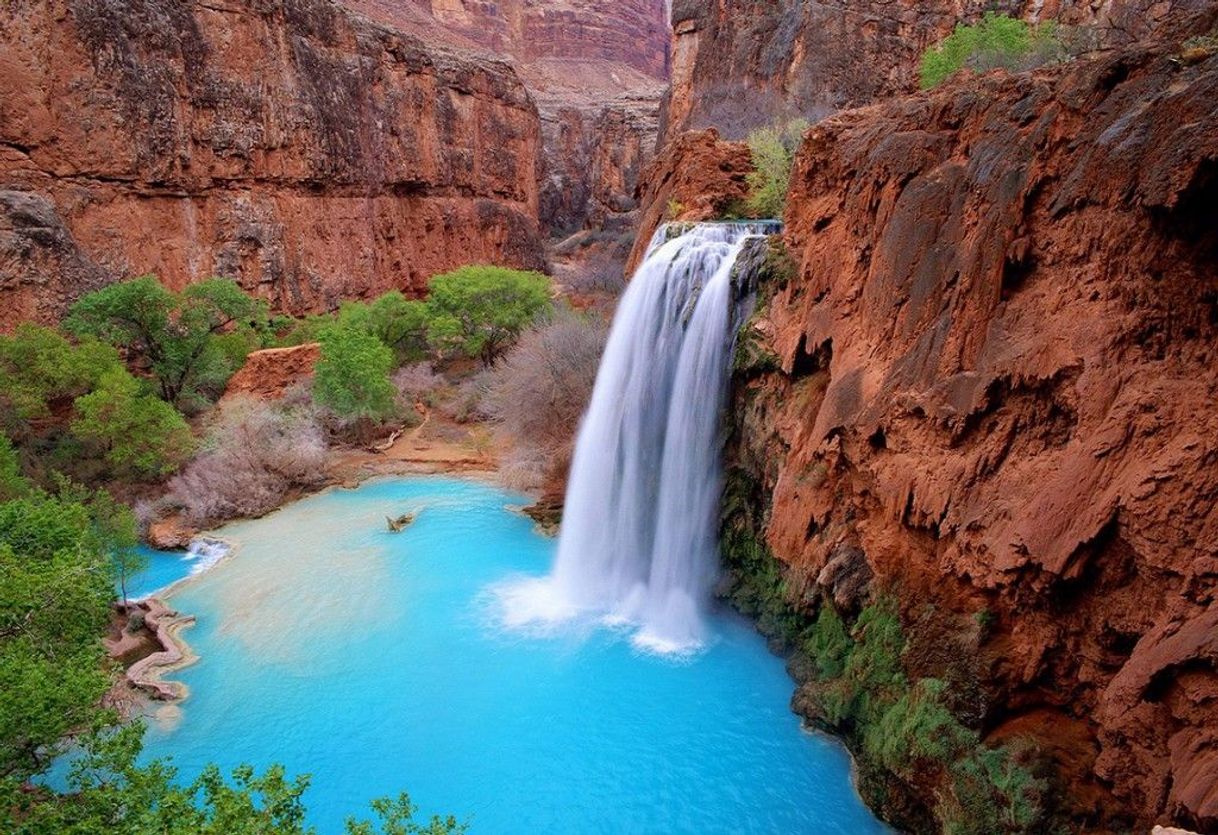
(378, 662)
(161, 569)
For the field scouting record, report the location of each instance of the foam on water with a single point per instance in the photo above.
(371, 661)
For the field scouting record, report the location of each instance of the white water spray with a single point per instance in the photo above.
(639, 533)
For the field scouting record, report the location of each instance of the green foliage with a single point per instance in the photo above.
(39, 367)
(396, 816)
(12, 484)
(773, 151)
(829, 644)
(918, 732)
(997, 40)
(54, 602)
(401, 324)
(992, 794)
(352, 376)
(175, 336)
(480, 310)
(139, 435)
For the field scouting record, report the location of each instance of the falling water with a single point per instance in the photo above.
(638, 540)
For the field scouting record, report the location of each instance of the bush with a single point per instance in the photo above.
(773, 151)
(12, 484)
(997, 41)
(177, 337)
(352, 376)
(139, 435)
(416, 383)
(479, 311)
(603, 272)
(540, 390)
(254, 455)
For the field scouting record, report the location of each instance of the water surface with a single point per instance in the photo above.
(378, 662)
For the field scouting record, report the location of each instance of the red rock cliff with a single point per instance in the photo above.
(999, 390)
(742, 64)
(597, 72)
(299, 149)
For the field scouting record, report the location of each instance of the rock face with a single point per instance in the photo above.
(739, 65)
(597, 72)
(293, 146)
(630, 32)
(269, 374)
(696, 177)
(996, 386)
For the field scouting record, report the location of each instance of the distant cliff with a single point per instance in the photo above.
(304, 151)
(597, 72)
(739, 65)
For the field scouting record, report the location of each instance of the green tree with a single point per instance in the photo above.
(480, 310)
(39, 367)
(398, 322)
(175, 336)
(138, 434)
(773, 153)
(352, 376)
(55, 589)
(997, 40)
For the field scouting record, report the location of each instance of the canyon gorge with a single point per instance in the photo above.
(979, 379)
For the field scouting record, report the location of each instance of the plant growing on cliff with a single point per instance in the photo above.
(191, 342)
(479, 311)
(352, 376)
(997, 40)
(773, 152)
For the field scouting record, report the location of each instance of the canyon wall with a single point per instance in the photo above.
(739, 65)
(303, 151)
(993, 395)
(597, 72)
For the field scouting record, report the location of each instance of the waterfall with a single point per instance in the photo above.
(639, 533)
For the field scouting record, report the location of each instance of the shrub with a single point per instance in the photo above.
(479, 311)
(996, 41)
(540, 390)
(175, 336)
(352, 376)
(602, 272)
(773, 151)
(254, 454)
(416, 383)
(139, 435)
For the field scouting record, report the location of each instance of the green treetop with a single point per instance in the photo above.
(480, 310)
(175, 336)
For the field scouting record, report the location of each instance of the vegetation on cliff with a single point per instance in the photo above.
(773, 153)
(996, 41)
(918, 761)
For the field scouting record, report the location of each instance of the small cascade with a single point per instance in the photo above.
(639, 534)
(203, 553)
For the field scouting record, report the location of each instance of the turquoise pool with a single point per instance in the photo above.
(379, 662)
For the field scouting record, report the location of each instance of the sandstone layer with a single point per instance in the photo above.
(739, 65)
(997, 392)
(293, 146)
